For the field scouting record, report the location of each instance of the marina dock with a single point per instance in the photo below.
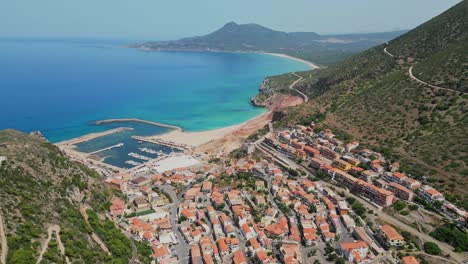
(163, 143)
(108, 148)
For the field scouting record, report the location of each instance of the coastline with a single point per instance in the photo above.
(285, 56)
(310, 64)
(187, 139)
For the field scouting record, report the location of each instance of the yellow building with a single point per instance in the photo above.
(342, 165)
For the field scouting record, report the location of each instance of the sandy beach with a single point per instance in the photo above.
(194, 139)
(308, 63)
(230, 133)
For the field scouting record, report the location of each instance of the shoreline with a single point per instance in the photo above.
(310, 64)
(192, 139)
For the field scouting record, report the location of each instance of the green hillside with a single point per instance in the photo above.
(372, 97)
(41, 187)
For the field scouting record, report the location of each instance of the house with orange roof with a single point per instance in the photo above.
(208, 259)
(239, 258)
(188, 214)
(310, 236)
(391, 236)
(411, 184)
(355, 251)
(117, 207)
(400, 191)
(395, 166)
(206, 187)
(409, 260)
(161, 252)
(247, 231)
(431, 194)
(377, 167)
(291, 253)
(223, 247)
(233, 243)
(350, 146)
(195, 254)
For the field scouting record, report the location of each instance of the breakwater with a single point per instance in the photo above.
(122, 120)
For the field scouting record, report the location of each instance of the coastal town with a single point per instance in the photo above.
(296, 195)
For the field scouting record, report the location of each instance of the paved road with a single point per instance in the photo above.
(410, 72)
(388, 53)
(300, 78)
(3, 240)
(182, 248)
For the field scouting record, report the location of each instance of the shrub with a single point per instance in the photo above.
(404, 212)
(432, 248)
(398, 206)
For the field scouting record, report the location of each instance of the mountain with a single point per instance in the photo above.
(326, 49)
(41, 192)
(373, 97)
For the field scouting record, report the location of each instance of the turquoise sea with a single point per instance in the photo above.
(61, 86)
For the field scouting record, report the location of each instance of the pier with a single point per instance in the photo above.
(163, 143)
(108, 148)
(121, 120)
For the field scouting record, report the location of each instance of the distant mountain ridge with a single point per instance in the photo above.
(256, 38)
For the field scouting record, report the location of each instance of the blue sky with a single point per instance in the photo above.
(167, 19)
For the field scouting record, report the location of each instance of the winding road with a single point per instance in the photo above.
(410, 72)
(300, 78)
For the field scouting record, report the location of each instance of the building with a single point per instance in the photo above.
(239, 258)
(431, 194)
(341, 164)
(411, 183)
(409, 260)
(328, 153)
(391, 236)
(260, 186)
(378, 195)
(316, 163)
(400, 191)
(312, 151)
(355, 251)
(397, 177)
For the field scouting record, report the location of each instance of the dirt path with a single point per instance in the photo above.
(45, 244)
(3, 241)
(93, 235)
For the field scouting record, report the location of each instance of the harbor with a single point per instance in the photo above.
(123, 147)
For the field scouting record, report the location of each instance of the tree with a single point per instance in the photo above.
(340, 260)
(22, 256)
(432, 248)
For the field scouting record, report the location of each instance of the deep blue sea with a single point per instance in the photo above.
(61, 86)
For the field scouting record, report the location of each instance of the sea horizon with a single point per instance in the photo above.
(60, 87)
